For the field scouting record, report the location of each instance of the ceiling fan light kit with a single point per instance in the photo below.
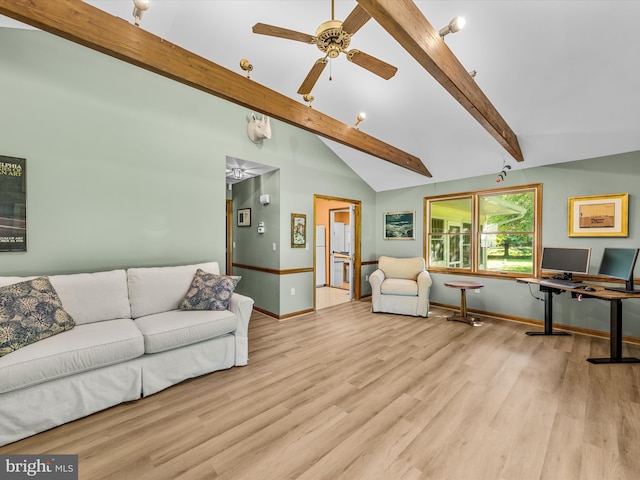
(332, 38)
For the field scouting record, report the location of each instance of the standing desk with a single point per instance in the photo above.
(615, 316)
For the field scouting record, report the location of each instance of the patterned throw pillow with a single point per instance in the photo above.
(30, 311)
(209, 291)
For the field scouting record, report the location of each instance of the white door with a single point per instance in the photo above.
(350, 231)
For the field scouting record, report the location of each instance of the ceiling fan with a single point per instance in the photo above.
(332, 38)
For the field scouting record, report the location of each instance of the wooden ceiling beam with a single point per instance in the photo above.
(91, 27)
(404, 21)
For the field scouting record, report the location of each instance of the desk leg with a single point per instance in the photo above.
(548, 316)
(615, 337)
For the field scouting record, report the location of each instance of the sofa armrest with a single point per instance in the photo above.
(241, 306)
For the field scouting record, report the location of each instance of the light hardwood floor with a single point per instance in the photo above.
(347, 394)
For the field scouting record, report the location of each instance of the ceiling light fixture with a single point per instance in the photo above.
(360, 118)
(246, 66)
(455, 25)
(307, 97)
(139, 7)
(238, 173)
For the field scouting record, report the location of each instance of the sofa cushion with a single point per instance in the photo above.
(209, 291)
(86, 347)
(161, 289)
(399, 286)
(177, 328)
(401, 267)
(30, 311)
(94, 297)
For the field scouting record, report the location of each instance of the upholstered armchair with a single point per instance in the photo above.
(401, 285)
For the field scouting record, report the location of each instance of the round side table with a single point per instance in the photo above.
(462, 286)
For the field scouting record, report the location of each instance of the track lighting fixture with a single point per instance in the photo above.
(246, 66)
(361, 117)
(455, 25)
(139, 7)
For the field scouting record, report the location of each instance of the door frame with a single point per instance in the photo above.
(357, 262)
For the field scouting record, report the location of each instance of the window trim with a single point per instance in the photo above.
(474, 269)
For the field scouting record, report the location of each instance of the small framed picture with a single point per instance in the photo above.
(298, 230)
(599, 216)
(244, 217)
(399, 225)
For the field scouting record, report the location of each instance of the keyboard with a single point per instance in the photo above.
(554, 282)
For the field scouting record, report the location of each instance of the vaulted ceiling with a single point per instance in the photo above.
(562, 74)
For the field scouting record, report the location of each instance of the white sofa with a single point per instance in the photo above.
(130, 340)
(400, 285)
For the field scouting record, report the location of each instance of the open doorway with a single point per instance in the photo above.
(337, 251)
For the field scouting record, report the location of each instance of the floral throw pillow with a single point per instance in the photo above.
(209, 291)
(30, 311)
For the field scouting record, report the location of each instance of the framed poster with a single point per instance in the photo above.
(244, 217)
(599, 216)
(399, 225)
(298, 230)
(13, 204)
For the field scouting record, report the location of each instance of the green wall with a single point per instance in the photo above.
(127, 168)
(598, 176)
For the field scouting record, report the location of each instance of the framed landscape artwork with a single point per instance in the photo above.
(399, 225)
(13, 204)
(599, 216)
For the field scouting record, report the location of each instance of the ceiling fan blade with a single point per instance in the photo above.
(264, 29)
(373, 64)
(356, 19)
(312, 76)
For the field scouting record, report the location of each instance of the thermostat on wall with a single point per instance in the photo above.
(265, 199)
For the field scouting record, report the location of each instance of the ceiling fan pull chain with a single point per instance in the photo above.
(330, 70)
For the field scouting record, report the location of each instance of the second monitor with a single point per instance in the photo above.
(566, 261)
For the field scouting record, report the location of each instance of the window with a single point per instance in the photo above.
(487, 232)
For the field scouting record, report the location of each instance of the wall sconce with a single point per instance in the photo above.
(238, 173)
(360, 118)
(246, 66)
(139, 7)
(455, 25)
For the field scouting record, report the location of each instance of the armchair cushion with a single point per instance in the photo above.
(407, 268)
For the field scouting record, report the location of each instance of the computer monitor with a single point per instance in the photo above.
(619, 263)
(566, 260)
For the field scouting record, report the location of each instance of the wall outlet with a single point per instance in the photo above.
(477, 290)
(366, 278)
(274, 247)
(234, 244)
(293, 291)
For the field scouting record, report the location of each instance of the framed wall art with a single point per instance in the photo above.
(298, 230)
(244, 217)
(13, 204)
(399, 225)
(599, 216)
